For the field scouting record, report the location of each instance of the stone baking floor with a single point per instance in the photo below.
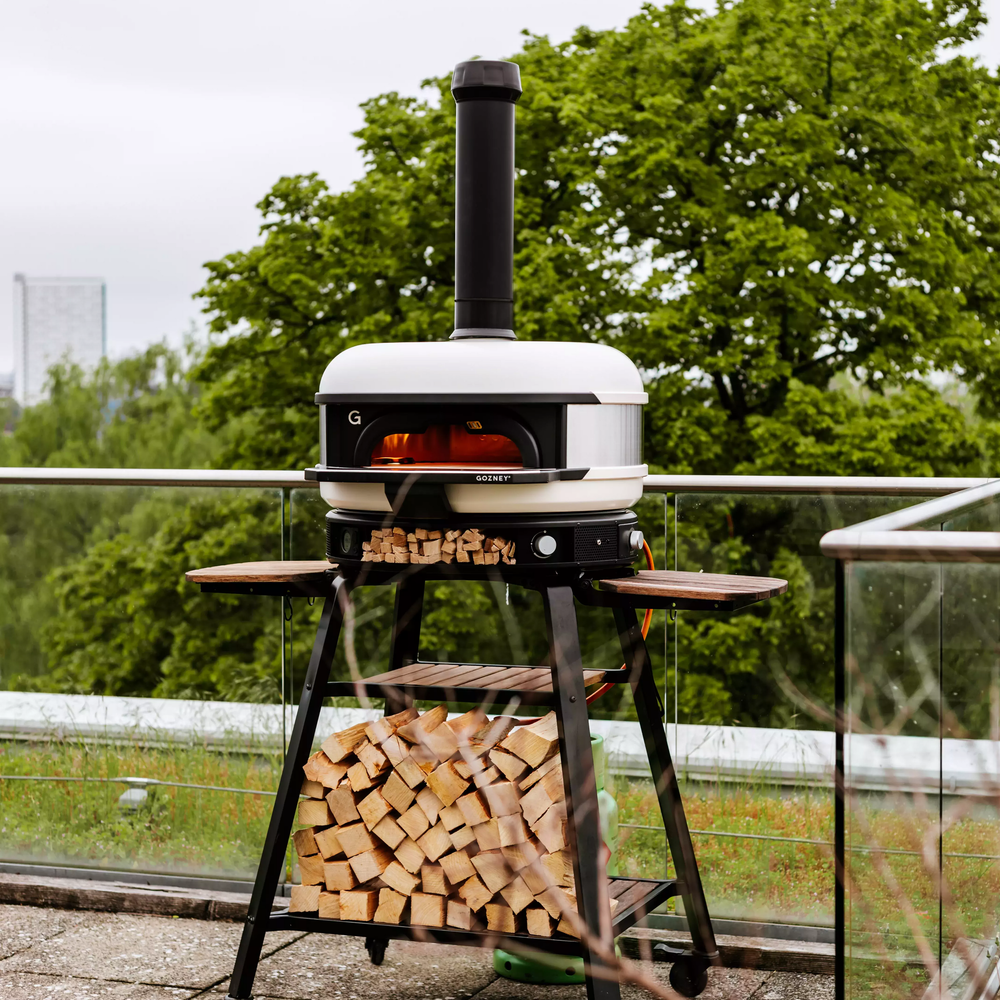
(65, 954)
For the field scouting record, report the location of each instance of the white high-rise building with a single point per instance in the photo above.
(55, 319)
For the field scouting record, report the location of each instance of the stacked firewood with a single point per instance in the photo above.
(417, 819)
(394, 545)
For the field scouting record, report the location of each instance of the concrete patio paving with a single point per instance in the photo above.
(71, 953)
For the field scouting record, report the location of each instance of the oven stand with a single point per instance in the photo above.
(568, 697)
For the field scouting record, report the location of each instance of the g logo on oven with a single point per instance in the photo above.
(354, 417)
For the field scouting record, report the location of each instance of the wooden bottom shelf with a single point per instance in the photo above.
(636, 898)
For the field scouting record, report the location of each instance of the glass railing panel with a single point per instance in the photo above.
(896, 636)
(753, 691)
(969, 897)
(94, 603)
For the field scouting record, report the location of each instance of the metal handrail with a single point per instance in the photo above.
(265, 478)
(892, 538)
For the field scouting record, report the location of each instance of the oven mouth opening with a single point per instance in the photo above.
(489, 442)
(447, 446)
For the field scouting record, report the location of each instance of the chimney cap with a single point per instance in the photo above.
(491, 78)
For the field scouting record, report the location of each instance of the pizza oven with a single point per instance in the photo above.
(533, 445)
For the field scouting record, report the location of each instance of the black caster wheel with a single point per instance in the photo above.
(688, 977)
(376, 950)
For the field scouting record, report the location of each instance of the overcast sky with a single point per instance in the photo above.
(138, 137)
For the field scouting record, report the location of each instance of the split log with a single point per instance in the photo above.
(550, 828)
(414, 822)
(434, 880)
(446, 784)
(358, 904)
(389, 831)
(503, 799)
(516, 894)
(314, 812)
(522, 854)
(512, 830)
(487, 835)
(342, 744)
(411, 772)
(511, 766)
(559, 867)
(328, 843)
(535, 776)
(430, 805)
(311, 869)
(493, 732)
(540, 924)
(395, 750)
(435, 842)
(391, 905)
(472, 760)
(457, 867)
(358, 777)
(442, 742)
(465, 725)
(305, 842)
(500, 918)
(381, 729)
(355, 839)
(544, 794)
(426, 909)
(473, 808)
(487, 777)
(556, 901)
(409, 855)
(305, 899)
(312, 789)
(371, 864)
(474, 893)
(536, 743)
(374, 760)
(396, 876)
(535, 877)
(373, 808)
(339, 875)
(425, 723)
(342, 804)
(493, 870)
(462, 837)
(398, 793)
(320, 768)
(452, 817)
(329, 905)
(459, 915)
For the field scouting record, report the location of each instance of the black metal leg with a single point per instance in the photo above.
(581, 791)
(285, 804)
(405, 648)
(650, 712)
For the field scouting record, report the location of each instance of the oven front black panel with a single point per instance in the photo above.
(346, 426)
(599, 540)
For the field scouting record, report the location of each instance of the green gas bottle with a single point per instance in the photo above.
(536, 967)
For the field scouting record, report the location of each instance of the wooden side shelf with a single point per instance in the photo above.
(636, 899)
(288, 577)
(701, 591)
(486, 683)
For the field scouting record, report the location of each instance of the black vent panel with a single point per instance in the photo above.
(595, 543)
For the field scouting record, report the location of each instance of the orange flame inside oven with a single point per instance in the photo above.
(447, 444)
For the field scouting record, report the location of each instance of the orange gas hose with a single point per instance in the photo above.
(645, 628)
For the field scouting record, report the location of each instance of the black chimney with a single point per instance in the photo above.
(485, 93)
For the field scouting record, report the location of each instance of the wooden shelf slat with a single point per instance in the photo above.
(275, 571)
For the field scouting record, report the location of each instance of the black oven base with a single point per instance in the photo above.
(602, 541)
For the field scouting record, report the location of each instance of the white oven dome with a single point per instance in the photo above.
(540, 368)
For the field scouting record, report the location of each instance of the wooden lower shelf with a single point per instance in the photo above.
(636, 898)
(488, 683)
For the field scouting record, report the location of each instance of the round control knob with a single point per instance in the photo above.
(635, 540)
(543, 544)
